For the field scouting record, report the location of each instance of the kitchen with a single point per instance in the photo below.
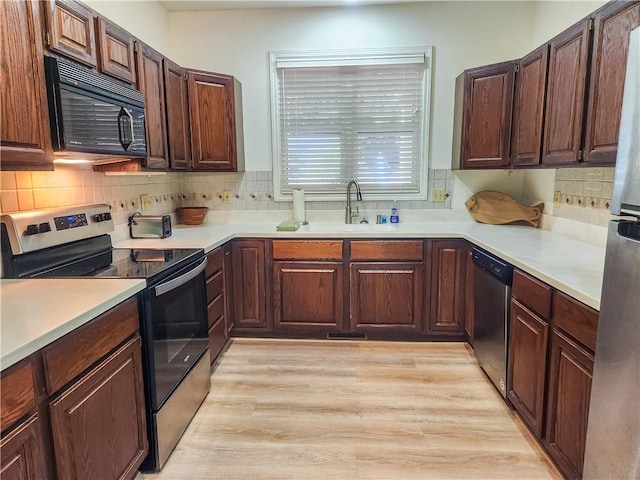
(416, 24)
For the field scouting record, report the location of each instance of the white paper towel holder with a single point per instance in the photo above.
(297, 199)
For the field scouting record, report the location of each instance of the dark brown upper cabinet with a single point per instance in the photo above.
(611, 27)
(25, 137)
(177, 104)
(71, 31)
(215, 116)
(528, 108)
(568, 61)
(151, 84)
(485, 120)
(115, 51)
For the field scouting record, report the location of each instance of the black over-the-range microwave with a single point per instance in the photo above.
(91, 115)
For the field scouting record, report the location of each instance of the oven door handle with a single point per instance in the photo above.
(181, 280)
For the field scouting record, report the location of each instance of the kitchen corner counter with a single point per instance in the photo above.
(569, 265)
(34, 313)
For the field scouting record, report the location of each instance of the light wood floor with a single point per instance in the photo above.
(303, 409)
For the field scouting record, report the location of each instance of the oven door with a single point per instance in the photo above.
(175, 328)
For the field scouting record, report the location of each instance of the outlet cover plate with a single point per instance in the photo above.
(437, 195)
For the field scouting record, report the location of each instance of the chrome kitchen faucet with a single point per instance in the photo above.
(349, 215)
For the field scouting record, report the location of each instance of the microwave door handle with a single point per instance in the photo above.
(181, 280)
(124, 113)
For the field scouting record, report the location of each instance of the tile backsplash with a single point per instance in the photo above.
(585, 194)
(23, 191)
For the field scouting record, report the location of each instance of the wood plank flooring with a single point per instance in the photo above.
(305, 409)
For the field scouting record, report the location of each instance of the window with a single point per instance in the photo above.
(338, 116)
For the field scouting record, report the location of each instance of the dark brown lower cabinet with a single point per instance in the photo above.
(386, 297)
(21, 449)
(308, 296)
(568, 395)
(527, 365)
(249, 286)
(468, 305)
(216, 299)
(228, 287)
(99, 424)
(449, 260)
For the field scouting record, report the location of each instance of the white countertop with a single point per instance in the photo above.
(34, 313)
(569, 265)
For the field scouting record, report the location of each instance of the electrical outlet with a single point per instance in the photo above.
(145, 202)
(557, 199)
(437, 195)
(226, 196)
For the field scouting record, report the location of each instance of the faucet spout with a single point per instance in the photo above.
(349, 214)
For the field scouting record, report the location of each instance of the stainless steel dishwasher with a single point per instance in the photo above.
(492, 293)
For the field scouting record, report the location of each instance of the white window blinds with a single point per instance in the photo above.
(351, 116)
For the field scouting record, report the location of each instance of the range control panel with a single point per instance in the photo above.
(30, 231)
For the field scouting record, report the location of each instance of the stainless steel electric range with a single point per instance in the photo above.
(75, 242)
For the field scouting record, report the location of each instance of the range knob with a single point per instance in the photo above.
(31, 229)
(44, 227)
(107, 216)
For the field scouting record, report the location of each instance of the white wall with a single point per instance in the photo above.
(552, 17)
(463, 34)
(147, 20)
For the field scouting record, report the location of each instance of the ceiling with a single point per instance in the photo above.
(200, 5)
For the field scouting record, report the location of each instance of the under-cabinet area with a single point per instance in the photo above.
(406, 289)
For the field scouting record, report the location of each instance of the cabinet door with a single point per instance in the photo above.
(568, 395)
(175, 88)
(212, 116)
(612, 25)
(25, 137)
(527, 365)
(228, 287)
(249, 284)
(528, 108)
(448, 279)
(308, 296)
(115, 48)
(98, 425)
(151, 84)
(565, 101)
(468, 299)
(22, 456)
(486, 127)
(71, 32)
(386, 297)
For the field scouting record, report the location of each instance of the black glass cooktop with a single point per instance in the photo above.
(149, 264)
(144, 263)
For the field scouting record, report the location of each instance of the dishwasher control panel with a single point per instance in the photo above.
(496, 266)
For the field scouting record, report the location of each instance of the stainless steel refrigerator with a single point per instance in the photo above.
(613, 433)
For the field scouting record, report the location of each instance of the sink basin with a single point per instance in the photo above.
(343, 227)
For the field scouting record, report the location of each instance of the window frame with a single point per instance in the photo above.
(344, 55)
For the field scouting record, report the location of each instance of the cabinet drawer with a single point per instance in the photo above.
(18, 394)
(215, 286)
(575, 318)
(74, 353)
(215, 309)
(214, 261)
(404, 250)
(532, 293)
(307, 249)
(217, 339)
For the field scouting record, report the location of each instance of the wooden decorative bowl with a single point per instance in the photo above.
(192, 215)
